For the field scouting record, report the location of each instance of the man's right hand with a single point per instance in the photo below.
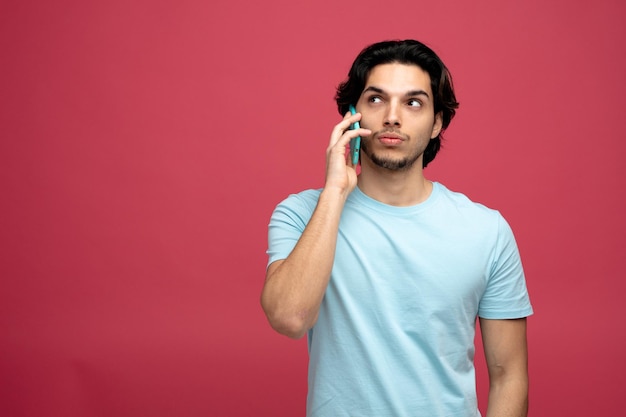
(340, 171)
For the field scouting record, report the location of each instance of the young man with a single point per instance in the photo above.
(387, 271)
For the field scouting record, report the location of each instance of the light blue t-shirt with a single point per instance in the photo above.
(395, 332)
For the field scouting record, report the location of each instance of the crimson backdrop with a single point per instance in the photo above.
(145, 143)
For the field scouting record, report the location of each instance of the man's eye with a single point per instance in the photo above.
(414, 103)
(375, 99)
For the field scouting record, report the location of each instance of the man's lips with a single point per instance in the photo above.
(390, 139)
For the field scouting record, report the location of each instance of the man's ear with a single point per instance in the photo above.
(437, 126)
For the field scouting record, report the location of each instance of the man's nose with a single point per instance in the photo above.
(392, 117)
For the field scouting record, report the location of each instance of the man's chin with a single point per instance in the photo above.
(393, 164)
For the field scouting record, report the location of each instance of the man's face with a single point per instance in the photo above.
(397, 106)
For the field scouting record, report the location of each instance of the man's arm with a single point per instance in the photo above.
(294, 287)
(506, 353)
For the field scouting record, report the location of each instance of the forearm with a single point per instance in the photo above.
(294, 290)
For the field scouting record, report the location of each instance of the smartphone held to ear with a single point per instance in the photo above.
(355, 143)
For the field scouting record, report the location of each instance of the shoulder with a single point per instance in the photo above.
(481, 222)
(304, 200)
(464, 206)
(298, 207)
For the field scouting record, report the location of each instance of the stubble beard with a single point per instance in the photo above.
(391, 164)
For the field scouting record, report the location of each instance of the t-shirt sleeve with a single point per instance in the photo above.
(287, 223)
(506, 295)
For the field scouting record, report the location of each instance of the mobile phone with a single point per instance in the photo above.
(355, 144)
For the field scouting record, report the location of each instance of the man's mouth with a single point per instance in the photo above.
(390, 139)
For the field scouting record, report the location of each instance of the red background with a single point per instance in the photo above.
(145, 144)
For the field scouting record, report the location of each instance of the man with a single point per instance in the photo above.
(387, 271)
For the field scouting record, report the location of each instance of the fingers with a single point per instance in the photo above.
(340, 171)
(341, 133)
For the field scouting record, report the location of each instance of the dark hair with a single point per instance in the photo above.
(404, 52)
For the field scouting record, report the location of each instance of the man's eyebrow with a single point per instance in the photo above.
(411, 93)
(374, 89)
(414, 93)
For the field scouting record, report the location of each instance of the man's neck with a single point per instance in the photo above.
(396, 188)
